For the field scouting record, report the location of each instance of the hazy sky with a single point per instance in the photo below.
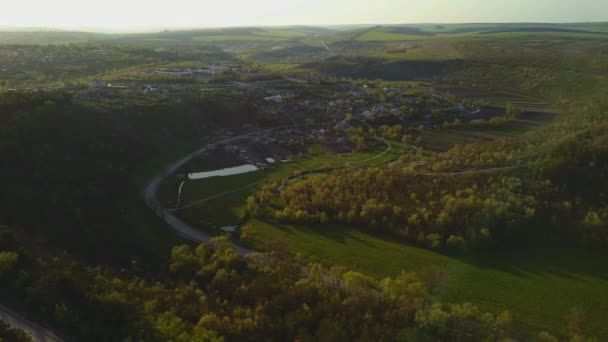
(140, 14)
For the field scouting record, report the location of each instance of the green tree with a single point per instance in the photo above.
(8, 261)
(512, 111)
(455, 244)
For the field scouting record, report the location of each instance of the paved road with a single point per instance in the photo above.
(38, 333)
(183, 228)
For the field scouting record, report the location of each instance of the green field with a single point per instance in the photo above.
(384, 34)
(228, 209)
(284, 33)
(399, 33)
(236, 37)
(539, 286)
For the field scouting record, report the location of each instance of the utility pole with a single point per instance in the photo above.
(177, 57)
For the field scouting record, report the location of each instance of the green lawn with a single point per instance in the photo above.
(539, 286)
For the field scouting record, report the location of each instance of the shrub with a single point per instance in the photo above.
(455, 244)
(434, 240)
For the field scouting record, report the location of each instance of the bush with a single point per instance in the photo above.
(479, 123)
(8, 261)
(499, 120)
(7, 333)
(434, 241)
(512, 111)
(455, 244)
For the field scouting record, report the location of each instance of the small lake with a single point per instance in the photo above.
(231, 171)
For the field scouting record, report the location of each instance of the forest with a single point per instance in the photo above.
(206, 294)
(81, 154)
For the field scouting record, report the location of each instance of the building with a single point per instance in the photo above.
(275, 98)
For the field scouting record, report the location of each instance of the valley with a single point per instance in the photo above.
(425, 182)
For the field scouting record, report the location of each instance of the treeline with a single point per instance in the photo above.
(543, 189)
(513, 207)
(10, 334)
(69, 164)
(214, 295)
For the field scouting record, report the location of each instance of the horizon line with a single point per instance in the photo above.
(154, 28)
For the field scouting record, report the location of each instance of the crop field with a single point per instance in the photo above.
(539, 286)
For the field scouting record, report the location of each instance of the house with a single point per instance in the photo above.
(230, 229)
(118, 86)
(147, 89)
(368, 115)
(377, 109)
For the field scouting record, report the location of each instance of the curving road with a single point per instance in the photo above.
(183, 228)
(36, 332)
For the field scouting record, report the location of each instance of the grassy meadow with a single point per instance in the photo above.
(539, 286)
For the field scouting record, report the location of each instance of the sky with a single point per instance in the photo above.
(132, 15)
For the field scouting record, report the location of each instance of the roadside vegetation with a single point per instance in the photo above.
(13, 335)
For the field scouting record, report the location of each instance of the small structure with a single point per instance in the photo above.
(230, 229)
(231, 171)
(275, 98)
(117, 86)
(147, 89)
(271, 160)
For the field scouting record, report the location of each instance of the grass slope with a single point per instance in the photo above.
(539, 286)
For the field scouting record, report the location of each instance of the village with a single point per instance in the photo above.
(327, 120)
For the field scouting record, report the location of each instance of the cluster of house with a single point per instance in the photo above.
(212, 70)
(270, 147)
(387, 104)
(98, 85)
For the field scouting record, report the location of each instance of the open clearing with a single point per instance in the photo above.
(228, 209)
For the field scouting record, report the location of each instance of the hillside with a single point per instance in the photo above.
(424, 182)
